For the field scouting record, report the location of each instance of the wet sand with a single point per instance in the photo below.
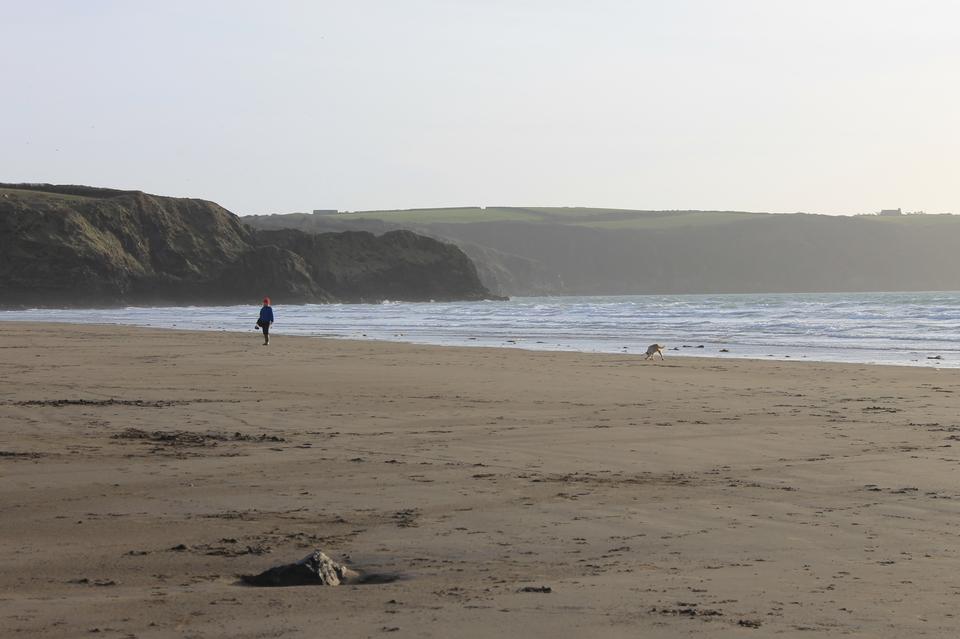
(142, 471)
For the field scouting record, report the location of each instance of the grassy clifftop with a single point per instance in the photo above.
(577, 216)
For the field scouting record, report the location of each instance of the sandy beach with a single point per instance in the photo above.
(142, 471)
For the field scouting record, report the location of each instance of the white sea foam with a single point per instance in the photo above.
(888, 328)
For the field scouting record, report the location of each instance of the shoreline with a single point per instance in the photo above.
(141, 470)
(922, 359)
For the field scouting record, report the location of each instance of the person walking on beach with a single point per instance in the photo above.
(266, 319)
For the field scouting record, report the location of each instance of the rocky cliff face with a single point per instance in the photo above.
(64, 245)
(358, 266)
(501, 272)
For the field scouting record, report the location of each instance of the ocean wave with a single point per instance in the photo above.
(900, 328)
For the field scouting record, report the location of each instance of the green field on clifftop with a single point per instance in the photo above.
(599, 218)
(573, 216)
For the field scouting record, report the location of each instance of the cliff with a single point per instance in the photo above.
(501, 272)
(84, 246)
(579, 251)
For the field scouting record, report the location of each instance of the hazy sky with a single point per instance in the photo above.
(824, 106)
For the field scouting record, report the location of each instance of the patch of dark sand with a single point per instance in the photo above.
(140, 403)
(11, 454)
(190, 438)
(540, 589)
(613, 478)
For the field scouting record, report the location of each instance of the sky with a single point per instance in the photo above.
(823, 106)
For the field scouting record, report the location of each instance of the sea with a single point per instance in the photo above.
(908, 329)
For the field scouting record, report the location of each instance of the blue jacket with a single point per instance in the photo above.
(266, 314)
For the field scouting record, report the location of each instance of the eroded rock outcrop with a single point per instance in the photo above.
(83, 246)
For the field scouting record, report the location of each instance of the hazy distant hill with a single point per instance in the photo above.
(77, 245)
(612, 251)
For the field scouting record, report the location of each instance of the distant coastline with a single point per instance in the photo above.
(597, 251)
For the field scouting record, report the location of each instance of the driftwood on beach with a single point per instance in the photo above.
(316, 569)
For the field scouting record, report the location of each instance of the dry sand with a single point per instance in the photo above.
(701, 497)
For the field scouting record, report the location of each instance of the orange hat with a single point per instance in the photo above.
(266, 301)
